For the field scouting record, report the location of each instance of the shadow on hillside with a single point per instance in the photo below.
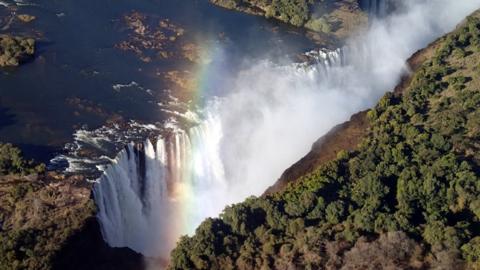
(86, 249)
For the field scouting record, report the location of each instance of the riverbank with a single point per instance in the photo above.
(324, 21)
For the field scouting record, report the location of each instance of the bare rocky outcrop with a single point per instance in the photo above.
(26, 18)
(15, 50)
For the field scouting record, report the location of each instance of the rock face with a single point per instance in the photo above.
(15, 50)
(344, 137)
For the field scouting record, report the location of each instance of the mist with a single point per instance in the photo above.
(268, 120)
(275, 113)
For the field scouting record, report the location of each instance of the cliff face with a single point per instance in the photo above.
(344, 137)
(407, 197)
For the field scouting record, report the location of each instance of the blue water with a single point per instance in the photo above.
(76, 59)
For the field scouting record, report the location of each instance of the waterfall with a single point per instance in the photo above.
(319, 63)
(378, 8)
(153, 193)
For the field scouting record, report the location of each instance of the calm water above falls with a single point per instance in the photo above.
(70, 83)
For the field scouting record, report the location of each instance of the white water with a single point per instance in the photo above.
(152, 193)
(266, 123)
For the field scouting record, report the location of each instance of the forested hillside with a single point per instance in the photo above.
(407, 197)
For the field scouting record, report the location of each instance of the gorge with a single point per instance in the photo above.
(178, 134)
(158, 190)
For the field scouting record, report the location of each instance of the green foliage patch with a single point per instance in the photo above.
(12, 162)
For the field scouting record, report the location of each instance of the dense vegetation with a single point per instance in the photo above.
(36, 216)
(12, 162)
(296, 12)
(408, 196)
(47, 220)
(15, 50)
(36, 223)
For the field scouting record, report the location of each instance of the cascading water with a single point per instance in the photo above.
(379, 8)
(151, 194)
